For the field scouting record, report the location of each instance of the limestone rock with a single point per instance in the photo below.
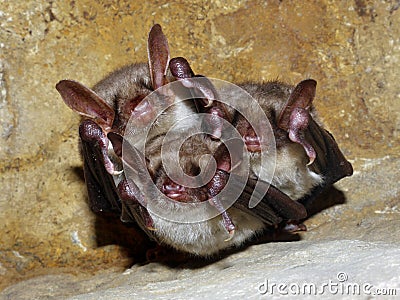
(331, 269)
(351, 48)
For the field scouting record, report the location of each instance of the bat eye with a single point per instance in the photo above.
(173, 190)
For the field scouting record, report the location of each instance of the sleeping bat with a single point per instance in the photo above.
(108, 152)
(308, 159)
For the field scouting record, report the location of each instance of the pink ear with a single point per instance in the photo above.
(295, 117)
(158, 53)
(86, 102)
(301, 97)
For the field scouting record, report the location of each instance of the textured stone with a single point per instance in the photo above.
(351, 48)
(328, 268)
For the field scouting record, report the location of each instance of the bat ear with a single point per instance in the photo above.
(204, 95)
(295, 116)
(158, 54)
(301, 98)
(86, 102)
(181, 70)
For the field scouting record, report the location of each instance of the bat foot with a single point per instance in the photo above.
(134, 202)
(181, 70)
(228, 224)
(226, 219)
(92, 134)
(293, 227)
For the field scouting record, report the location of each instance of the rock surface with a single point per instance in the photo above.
(330, 268)
(351, 48)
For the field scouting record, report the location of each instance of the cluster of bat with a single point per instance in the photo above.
(308, 159)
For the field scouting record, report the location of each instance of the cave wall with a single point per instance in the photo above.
(352, 48)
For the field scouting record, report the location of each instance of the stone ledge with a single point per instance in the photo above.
(254, 273)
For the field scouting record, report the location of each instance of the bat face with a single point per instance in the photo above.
(292, 174)
(123, 90)
(193, 227)
(176, 186)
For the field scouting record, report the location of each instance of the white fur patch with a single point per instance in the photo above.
(291, 176)
(207, 237)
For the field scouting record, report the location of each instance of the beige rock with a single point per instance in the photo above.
(351, 48)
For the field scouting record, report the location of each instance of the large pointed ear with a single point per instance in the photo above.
(295, 116)
(301, 98)
(181, 70)
(86, 102)
(158, 53)
(204, 94)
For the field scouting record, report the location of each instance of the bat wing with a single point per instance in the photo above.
(100, 184)
(330, 161)
(274, 205)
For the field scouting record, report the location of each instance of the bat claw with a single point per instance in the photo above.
(116, 173)
(229, 226)
(310, 152)
(231, 234)
(293, 227)
(209, 103)
(110, 167)
(310, 162)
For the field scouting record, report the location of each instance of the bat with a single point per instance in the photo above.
(308, 159)
(106, 110)
(302, 145)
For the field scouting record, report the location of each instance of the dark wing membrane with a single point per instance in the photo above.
(330, 161)
(274, 206)
(101, 188)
